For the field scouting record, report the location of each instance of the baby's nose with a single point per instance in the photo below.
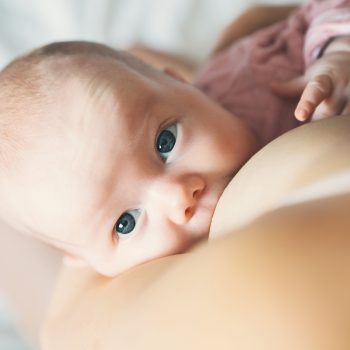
(178, 197)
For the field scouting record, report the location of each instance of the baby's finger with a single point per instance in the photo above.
(290, 88)
(346, 109)
(329, 108)
(316, 91)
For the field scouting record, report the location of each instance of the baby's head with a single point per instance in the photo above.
(109, 159)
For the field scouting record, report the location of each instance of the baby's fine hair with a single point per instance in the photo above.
(28, 87)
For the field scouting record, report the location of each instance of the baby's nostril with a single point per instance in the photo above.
(188, 212)
(196, 193)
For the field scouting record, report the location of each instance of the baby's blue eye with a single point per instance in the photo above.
(166, 141)
(127, 222)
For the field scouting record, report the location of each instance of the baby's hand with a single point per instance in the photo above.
(324, 88)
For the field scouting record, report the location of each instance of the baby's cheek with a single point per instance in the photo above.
(165, 239)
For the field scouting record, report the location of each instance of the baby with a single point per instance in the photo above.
(109, 159)
(117, 163)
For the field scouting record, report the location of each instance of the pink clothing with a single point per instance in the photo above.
(239, 77)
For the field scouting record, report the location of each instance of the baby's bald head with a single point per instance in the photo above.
(32, 93)
(29, 89)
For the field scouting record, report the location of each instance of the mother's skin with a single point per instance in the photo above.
(281, 282)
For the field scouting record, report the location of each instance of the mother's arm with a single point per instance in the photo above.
(280, 282)
(251, 20)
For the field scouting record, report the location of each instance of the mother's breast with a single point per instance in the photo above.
(293, 161)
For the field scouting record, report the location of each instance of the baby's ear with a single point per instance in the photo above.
(73, 261)
(174, 74)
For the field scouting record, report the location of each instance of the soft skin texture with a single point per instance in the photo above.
(103, 162)
(280, 283)
(30, 306)
(298, 159)
(31, 303)
(103, 167)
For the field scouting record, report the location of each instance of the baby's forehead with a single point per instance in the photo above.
(108, 97)
(98, 78)
(100, 102)
(115, 85)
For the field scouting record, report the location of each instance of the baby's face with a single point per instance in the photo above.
(139, 173)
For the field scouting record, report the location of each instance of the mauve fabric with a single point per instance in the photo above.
(239, 77)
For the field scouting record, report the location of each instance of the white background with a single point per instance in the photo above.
(189, 27)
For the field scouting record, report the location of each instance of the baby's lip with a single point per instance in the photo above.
(204, 211)
(211, 198)
(209, 205)
(214, 202)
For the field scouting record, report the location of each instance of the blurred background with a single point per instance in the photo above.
(185, 27)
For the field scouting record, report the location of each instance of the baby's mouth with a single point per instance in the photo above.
(205, 209)
(217, 197)
(209, 207)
